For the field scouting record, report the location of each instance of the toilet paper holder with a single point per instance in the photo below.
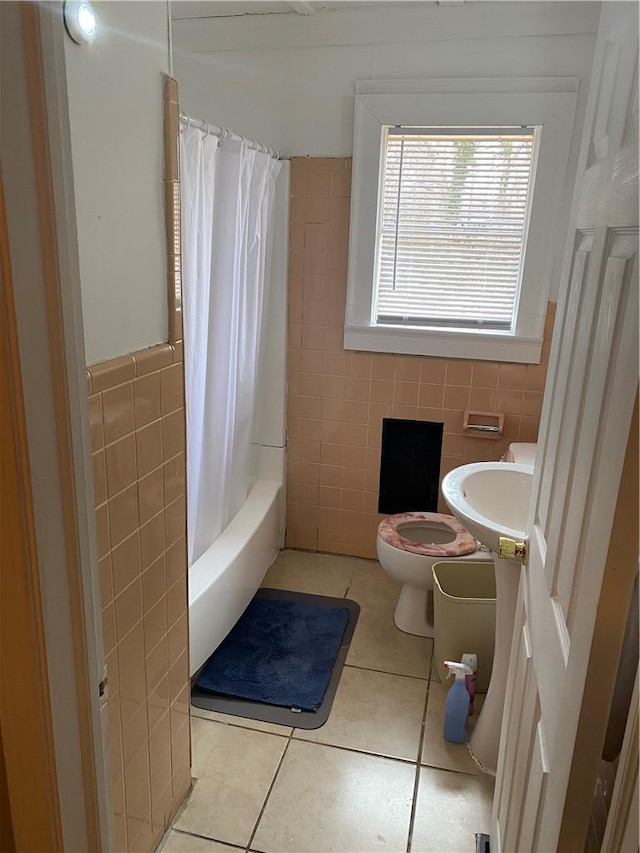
(483, 424)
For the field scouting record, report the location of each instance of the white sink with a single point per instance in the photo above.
(491, 499)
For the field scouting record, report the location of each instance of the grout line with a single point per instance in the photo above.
(387, 672)
(416, 783)
(271, 786)
(239, 725)
(190, 834)
(352, 749)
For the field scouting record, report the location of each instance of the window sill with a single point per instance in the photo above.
(480, 346)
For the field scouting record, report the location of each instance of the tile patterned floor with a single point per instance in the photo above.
(376, 777)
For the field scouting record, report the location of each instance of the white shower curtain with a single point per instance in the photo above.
(227, 206)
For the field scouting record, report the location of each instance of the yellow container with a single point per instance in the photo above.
(464, 605)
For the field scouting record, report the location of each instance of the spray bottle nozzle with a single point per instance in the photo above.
(458, 669)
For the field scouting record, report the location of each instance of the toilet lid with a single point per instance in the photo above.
(389, 530)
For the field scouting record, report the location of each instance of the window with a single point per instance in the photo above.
(456, 193)
(452, 226)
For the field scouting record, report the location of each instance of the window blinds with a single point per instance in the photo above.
(452, 226)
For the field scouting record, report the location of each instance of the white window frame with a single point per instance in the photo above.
(547, 104)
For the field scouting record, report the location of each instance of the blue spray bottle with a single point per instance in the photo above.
(457, 708)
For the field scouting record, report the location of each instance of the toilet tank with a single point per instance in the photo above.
(524, 452)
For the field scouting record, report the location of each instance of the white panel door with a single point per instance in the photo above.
(589, 398)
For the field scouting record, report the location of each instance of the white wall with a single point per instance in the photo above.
(115, 105)
(288, 80)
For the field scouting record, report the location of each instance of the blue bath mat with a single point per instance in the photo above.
(279, 653)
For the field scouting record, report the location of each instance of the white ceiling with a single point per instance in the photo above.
(183, 9)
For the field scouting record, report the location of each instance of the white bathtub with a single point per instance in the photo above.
(225, 578)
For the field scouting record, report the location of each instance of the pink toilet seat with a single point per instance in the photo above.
(464, 543)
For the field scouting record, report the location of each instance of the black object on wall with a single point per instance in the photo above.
(409, 466)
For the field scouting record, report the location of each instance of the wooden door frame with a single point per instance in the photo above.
(31, 813)
(48, 368)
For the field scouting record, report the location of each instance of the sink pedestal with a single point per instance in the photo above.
(485, 739)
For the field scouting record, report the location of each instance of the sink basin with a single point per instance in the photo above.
(491, 499)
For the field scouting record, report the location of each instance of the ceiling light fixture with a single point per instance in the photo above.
(80, 20)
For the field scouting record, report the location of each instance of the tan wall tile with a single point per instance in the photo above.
(136, 475)
(150, 495)
(171, 388)
(512, 376)
(178, 637)
(456, 397)
(113, 673)
(128, 606)
(338, 399)
(160, 758)
(180, 770)
(146, 399)
(316, 209)
(176, 600)
(132, 672)
(155, 625)
(149, 447)
(173, 437)
(509, 402)
(117, 406)
(99, 478)
(102, 530)
(106, 580)
(157, 664)
(138, 800)
(95, 422)
(176, 560)
(120, 459)
(107, 374)
(125, 562)
(161, 813)
(154, 358)
(158, 701)
(174, 520)
(108, 628)
(482, 400)
(116, 761)
(178, 676)
(151, 540)
(134, 733)
(123, 514)
(154, 583)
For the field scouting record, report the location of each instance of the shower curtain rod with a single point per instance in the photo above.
(222, 133)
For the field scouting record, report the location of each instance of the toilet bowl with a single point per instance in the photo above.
(408, 545)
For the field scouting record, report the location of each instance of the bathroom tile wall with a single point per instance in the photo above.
(136, 412)
(338, 398)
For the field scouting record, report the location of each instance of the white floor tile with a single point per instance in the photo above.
(374, 712)
(234, 768)
(378, 644)
(325, 796)
(317, 574)
(372, 587)
(328, 800)
(451, 809)
(436, 751)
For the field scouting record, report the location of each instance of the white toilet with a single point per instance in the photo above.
(408, 546)
(410, 543)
